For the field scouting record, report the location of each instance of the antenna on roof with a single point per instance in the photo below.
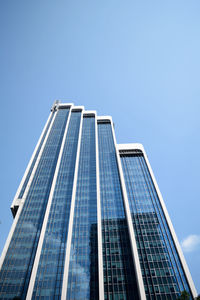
(55, 104)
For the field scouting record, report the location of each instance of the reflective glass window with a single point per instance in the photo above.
(161, 268)
(118, 268)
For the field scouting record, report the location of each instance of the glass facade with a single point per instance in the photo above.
(83, 266)
(162, 272)
(83, 197)
(16, 270)
(118, 268)
(49, 277)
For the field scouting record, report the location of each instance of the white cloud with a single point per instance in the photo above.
(191, 243)
(82, 275)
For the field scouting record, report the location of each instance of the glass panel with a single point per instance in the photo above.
(118, 268)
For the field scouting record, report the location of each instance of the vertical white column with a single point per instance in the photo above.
(25, 194)
(138, 271)
(41, 239)
(99, 229)
(71, 218)
(16, 201)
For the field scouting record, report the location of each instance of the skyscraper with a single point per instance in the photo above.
(89, 220)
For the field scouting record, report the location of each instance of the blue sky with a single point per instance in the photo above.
(135, 60)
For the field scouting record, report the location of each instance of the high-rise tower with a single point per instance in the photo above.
(89, 220)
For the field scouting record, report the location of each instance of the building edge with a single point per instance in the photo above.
(16, 201)
(138, 146)
(5, 249)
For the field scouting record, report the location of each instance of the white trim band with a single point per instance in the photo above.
(16, 200)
